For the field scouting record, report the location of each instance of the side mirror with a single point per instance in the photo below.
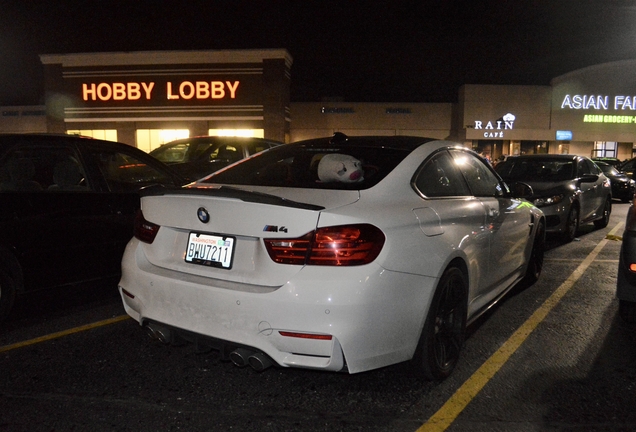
(521, 190)
(589, 178)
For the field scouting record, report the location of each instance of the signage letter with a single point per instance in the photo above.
(232, 89)
(86, 92)
(217, 90)
(203, 90)
(477, 124)
(133, 91)
(186, 86)
(148, 88)
(119, 91)
(100, 91)
(169, 92)
(566, 102)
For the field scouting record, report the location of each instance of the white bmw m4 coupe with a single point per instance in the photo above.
(338, 254)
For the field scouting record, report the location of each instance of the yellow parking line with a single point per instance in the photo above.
(63, 333)
(447, 414)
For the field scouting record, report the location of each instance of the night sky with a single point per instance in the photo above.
(358, 51)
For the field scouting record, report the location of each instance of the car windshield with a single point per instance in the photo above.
(316, 165)
(608, 169)
(536, 169)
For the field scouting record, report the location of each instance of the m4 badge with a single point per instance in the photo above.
(275, 228)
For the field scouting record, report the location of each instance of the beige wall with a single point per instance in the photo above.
(23, 119)
(320, 119)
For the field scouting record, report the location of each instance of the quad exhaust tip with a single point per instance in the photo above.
(242, 357)
(160, 333)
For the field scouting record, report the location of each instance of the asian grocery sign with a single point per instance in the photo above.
(184, 90)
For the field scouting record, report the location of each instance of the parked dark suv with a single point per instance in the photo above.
(67, 207)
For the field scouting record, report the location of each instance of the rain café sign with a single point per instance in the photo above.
(626, 104)
(496, 128)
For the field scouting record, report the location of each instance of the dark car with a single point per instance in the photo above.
(626, 280)
(628, 167)
(67, 208)
(197, 157)
(615, 162)
(571, 190)
(623, 187)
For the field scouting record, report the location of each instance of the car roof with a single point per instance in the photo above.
(549, 156)
(213, 138)
(11, 139)
(402, 142)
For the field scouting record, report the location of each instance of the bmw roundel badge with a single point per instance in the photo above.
(203, 215)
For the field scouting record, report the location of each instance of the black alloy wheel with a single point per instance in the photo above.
(535, 264)
(572, 224)
(627, 311)
(607, 211)
(443, 334)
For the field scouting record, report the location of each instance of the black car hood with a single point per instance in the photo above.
(542, 189)
(622, 178)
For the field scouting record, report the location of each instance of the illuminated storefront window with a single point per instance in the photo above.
(103, 134)
(149, 139)
(256, 133)
(604, 149)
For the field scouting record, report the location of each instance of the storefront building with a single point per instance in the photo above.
(148, 98)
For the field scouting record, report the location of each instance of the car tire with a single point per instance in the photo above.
(571, 224)
(535, 264)
(444, 329)
(607, 211)
(627, 311)
(7, 295)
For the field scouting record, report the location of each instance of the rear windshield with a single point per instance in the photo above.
(312, 166)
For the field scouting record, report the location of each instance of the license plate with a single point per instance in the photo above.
(210, 250)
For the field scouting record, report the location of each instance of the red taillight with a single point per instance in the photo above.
(305, 335)
(344, 245)
(144, 230)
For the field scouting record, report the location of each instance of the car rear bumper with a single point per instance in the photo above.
(328, 318)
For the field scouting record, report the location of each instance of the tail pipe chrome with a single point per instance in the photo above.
(259, 362)
(242, 357)
(160, 333)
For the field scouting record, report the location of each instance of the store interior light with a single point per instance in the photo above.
(256, 133)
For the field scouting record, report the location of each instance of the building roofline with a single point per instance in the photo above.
(130, 58)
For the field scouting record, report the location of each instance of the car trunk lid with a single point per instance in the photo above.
(239, 215)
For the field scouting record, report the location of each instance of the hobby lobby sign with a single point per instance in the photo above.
(132, 91)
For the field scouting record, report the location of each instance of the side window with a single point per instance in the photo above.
(582, 168)
(125, 172)
(592, 167)
(42, 168)
(481, 180)
(439, 177)
(172, 154)
(227, 153)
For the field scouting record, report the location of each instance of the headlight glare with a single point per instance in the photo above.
(546, 201)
